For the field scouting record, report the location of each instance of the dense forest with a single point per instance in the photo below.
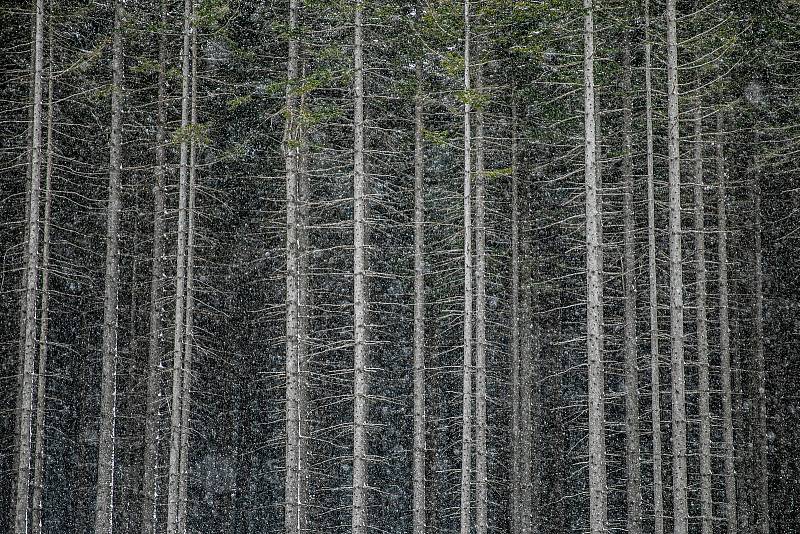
(384, 266)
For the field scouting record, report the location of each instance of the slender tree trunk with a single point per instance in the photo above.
(633, 460)
(41, 399)
(724, 333)
(25, 415)
(481, 475)
(173, 518)
(293, 372)
(104, 510)
(466, 402)
(419, 303)
(655, 359)
(515, 326)
(594, 324)
(761, 466)
(152, 435)
(706, 503)
(526, 375)
(361, 384)
(680, 507)
(188, 334)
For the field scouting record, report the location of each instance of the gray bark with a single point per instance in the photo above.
(152, 435)
(706, 503)
(360, 378)
(515, 327)
(655, 359)
(104, 508)
(295, 511)
(173, 485)
(594, 321)
(41, 386)
(633, 453)
(419, 303)
(724, 332)
(481, 475)
(188, 333)
(466, 402)
(680, 506)
(761, 466)
(30, 279)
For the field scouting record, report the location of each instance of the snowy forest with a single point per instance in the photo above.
(399, 266)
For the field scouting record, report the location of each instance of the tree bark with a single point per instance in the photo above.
(724, 332)
(174, 520)
(188, 334)
(41, 386)
(419, 302)
(680, 507)
(295, 382)
(466, 402)
(481, 475)
(594, 322)
(526, 375)
(633, 453)
(104, 510)
(152, 433)
(360, 378)
(515, 326)
(706, 503)
(761, 467)
(655, 359)
(30, 279)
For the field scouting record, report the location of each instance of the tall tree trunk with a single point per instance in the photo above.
(360, 378)
(761, 466)
(481, 475)
(466, 401)
(294, 381)
(706, 504)
(633, 453)
(419, 301)
(679, 492)
(104, 509)
(188, 334)
(152, 434)
(515, 325)
(173, 518)
(594, 322)
(655, 359)
(41, 386)
(725, 333)
(526, 373)
(25, 404)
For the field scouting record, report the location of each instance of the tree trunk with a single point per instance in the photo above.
(25, 415)
(706, 503)
(152, 434)
(724, 333)
(104, 510)
(481, 475)
(466, 402)
(173, 518)
(419, 302)
(680, 507)
(41, 387)
(633, 461)
(761, 466)
(188, 334)
(515, 326)
(655, 359)
(526, 375)
(360, 378)
(293, 372)
(594, 324)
